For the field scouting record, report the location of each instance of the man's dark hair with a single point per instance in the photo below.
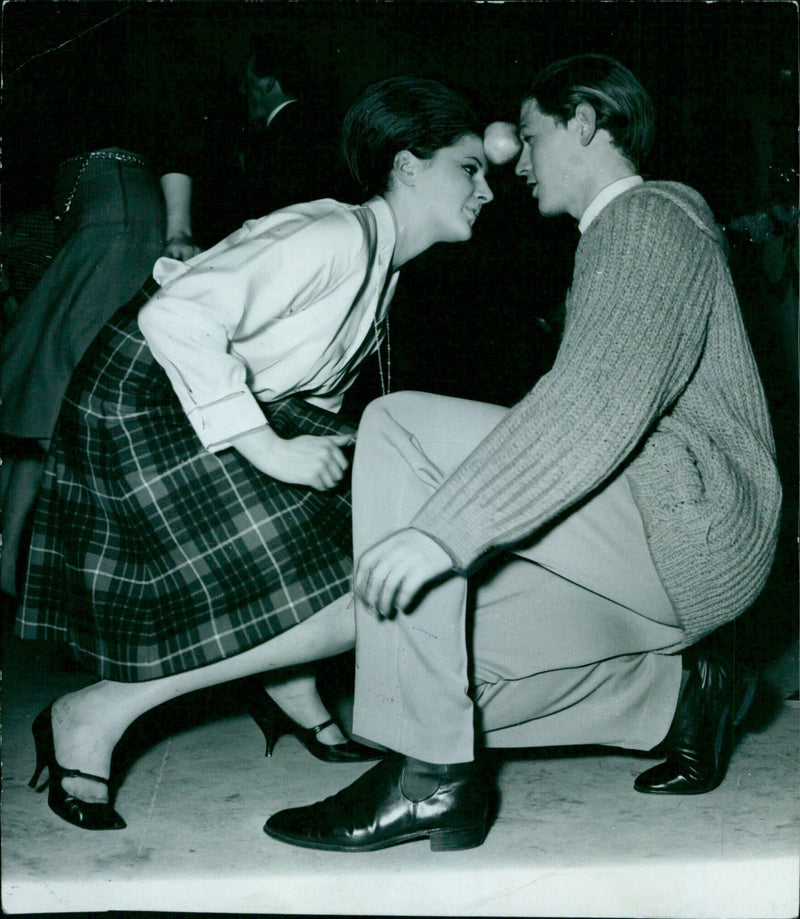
(283, 59)
(622, 105)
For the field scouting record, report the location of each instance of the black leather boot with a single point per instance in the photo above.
(376, 811)
(714, 699)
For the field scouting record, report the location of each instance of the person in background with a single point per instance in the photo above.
(269, 138)
(194, 522)
(120, 174)
(291, 128)
(597, 531)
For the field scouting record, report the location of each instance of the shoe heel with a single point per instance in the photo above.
(271, 720)
(462, 838)
(270, 739)
(749, 694)
(272, 731)
(44, 748)
(40, 764)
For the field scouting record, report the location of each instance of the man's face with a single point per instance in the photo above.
(548, 160)
(258, 91)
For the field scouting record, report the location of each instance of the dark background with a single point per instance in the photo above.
(481, 320)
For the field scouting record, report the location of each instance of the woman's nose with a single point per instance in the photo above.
(484, 192)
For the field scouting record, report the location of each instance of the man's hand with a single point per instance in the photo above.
(392, 572)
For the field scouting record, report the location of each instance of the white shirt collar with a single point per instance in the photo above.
(277, 109)
(387, 232)
(605, 196)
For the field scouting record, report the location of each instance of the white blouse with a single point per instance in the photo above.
(288, 304)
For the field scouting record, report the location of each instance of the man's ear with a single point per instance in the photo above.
(267, 85)
(586, 120)
(405, 167)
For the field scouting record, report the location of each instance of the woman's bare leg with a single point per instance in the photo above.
(87, 724)
(19, 485)
(297, 695)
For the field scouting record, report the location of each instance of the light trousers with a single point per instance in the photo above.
(555, 643)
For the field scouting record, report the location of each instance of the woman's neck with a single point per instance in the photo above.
(411, 236)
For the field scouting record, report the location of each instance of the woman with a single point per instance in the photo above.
(119, 172)
(192, 519)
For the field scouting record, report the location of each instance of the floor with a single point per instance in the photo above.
(571, 838)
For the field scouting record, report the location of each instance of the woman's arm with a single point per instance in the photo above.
(238, 291)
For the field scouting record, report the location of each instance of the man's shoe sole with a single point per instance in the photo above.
(441, 840)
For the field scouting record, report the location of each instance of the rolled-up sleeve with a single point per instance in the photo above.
(188, 326)
(234, 293)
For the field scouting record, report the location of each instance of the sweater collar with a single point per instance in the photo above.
(605, 196)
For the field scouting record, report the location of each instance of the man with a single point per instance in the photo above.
(595, 532)
(268, 141)
(291, 147)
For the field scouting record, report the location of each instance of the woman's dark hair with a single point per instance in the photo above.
(402, 113)
(621, 103)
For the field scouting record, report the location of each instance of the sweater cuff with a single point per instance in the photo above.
(462, 538)
(442, 546)
(219, 423)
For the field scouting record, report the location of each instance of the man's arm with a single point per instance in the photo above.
(635, 329)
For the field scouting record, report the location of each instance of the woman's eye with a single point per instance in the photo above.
(470, 169)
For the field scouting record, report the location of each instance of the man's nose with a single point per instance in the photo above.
(523, 166)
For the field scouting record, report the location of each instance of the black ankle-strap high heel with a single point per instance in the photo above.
(274, 723)
(87, 815)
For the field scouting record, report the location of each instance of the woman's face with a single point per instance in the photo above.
(454, 188)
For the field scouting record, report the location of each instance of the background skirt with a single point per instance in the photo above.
(112, 233)
(151, 556)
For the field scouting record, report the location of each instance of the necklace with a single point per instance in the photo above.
(386, 382)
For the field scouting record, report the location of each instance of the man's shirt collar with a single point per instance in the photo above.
(605, 196)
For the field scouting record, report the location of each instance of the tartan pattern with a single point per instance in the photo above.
(151, 556)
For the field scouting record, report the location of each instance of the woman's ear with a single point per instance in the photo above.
(586, 119)
(405, 166)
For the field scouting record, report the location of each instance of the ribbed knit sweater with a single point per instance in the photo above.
(654, 377)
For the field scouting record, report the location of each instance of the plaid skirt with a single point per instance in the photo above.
(151, 556)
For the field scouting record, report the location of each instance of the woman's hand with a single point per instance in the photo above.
(392, 572)
(305, 460)
(309, 460)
